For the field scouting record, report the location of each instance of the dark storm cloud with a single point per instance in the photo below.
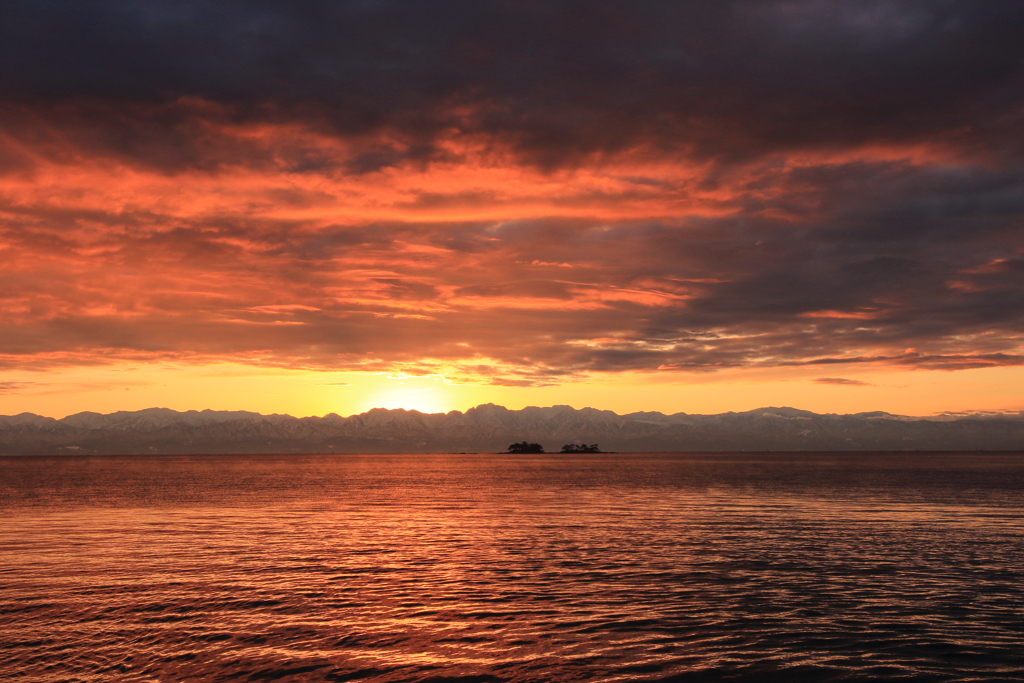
(557, 80)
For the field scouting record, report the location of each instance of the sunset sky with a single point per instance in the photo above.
(315, 207)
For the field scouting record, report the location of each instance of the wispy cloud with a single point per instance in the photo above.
(841, 381)
(13, 387)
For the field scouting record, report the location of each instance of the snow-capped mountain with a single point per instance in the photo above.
(490, 428)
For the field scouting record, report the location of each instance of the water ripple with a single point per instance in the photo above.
(481, 568)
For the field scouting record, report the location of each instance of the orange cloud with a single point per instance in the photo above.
(280, 243)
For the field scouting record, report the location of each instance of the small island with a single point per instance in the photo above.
(525, 447)
(580, 448)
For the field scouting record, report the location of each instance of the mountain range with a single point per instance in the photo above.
(491, 428)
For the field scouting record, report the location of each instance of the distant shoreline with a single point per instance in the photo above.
(709, 454)
(490, 428)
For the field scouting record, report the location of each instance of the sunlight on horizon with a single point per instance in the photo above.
(65, 391)
(423, 399)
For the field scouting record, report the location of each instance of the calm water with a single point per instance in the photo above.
(813, 567)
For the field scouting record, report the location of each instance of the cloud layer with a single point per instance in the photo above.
(517, 193)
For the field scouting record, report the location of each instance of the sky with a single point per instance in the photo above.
(315, 207)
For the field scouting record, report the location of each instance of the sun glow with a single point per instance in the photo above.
(59, 392)
(427, 395)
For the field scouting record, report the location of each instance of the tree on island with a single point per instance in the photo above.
(580, 448)
(525, 447)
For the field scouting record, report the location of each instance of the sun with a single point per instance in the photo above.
(425, 394)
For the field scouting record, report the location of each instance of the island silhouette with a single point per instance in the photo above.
(580, 448)
(528, 447)
(525, 447)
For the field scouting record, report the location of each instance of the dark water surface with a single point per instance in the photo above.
(811, 567)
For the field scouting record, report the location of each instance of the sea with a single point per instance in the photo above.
(470, 568)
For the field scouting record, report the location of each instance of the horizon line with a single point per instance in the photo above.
(943, 414)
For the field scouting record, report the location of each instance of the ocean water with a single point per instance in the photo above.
(633, 567)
